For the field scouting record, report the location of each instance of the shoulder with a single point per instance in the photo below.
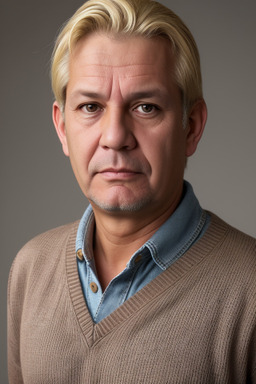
(234, 251)
(58, 234)
(232, 236)
(42, 252)
(47, 241)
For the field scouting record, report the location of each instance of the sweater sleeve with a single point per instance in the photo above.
(29, 263)
(13, 334)
(254, 358)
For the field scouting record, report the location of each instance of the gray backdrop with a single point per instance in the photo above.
(38, 190)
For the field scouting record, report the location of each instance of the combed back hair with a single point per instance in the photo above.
(124, 18)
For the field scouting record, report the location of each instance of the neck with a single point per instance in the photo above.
(118, 236)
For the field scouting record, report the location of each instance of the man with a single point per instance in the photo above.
(148, 287)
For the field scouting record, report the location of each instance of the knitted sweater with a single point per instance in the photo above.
(195, 323)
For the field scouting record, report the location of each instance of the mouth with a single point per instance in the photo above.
(119, 173)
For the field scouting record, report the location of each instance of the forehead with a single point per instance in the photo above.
(99, 55)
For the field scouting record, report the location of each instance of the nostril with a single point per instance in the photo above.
(118, 138)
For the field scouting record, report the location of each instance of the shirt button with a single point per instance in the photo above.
(94, 287)
(79, 254)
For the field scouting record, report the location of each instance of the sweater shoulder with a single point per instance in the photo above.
(234, 235)
(234, 247)
(40, 251)
(50, 240)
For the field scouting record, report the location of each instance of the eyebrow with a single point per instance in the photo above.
(156, 92)
(148, 94)
(92, 95)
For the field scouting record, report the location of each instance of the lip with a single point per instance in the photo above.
(119, 173)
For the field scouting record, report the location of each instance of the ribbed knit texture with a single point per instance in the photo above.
(194, 323)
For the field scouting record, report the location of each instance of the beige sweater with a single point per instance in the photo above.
(195, 323)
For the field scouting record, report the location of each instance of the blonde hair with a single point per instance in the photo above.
(144, 18)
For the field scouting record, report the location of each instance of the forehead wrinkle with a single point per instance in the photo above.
(114, 88)
(121, 76)
(105, 69)
(114, 81)
(118, 66)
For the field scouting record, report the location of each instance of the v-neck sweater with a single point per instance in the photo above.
(174, 237)
(194, 323)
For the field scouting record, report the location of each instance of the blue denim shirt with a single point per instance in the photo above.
(183, 228)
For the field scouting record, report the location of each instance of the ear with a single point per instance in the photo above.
(195, 126)
(59, 123)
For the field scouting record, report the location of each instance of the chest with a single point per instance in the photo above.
(161, 342)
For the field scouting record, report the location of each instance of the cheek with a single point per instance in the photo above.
(82, 148)
(166, 157)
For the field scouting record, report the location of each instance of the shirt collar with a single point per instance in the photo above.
(84, 238)
(167, 244)
(179, 232)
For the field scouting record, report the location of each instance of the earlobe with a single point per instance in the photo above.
(196, 123)
(59, 123)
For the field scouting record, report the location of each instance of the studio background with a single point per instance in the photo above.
(38, 189)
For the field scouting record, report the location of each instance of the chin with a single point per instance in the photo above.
(121, 206)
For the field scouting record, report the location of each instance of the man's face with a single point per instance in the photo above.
(123, 124)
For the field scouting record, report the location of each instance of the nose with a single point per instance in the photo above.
(116, 130)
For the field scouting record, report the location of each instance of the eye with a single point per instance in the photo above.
(90, 108)
(146, 108)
